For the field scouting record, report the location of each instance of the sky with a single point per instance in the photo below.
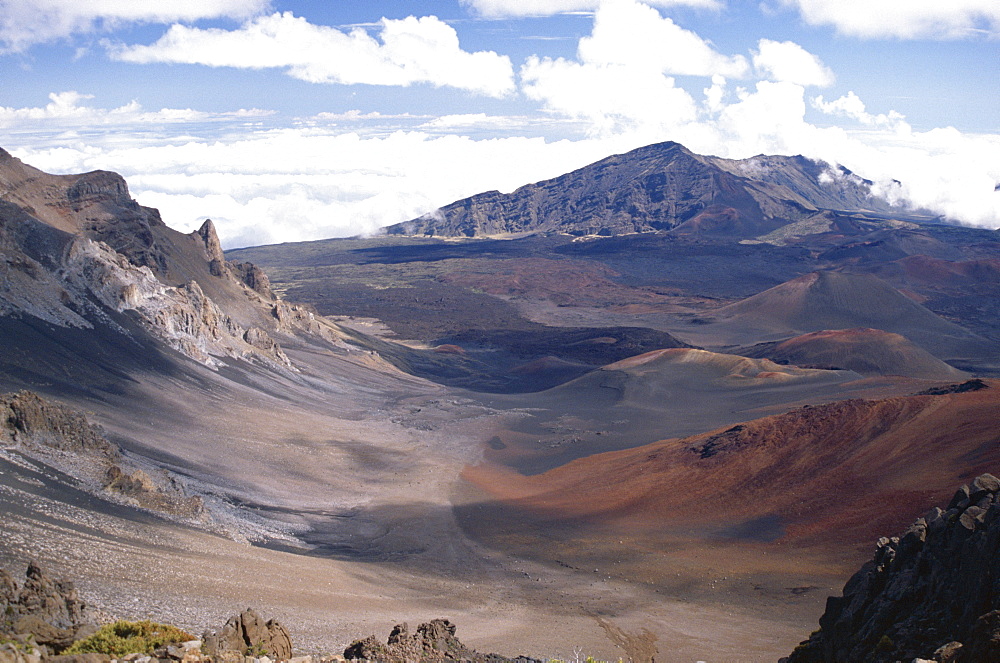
(298, 120)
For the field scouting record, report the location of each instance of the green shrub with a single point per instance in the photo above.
(124, 637)
(885, 645)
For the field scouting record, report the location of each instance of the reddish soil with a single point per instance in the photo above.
(813, 488)
(865, 351)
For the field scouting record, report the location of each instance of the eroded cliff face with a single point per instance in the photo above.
(76, 249)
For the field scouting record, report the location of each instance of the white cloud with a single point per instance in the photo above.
(66, 110)
(786, 61)
(410, 50)
(942, 170)
(851, 106)
(913, 19)
(313, 178)
(24, 23)
(629, 33)
(612, 98)
(310, 183)
(515, 8)
(622, 80)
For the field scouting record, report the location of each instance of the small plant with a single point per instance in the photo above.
(258, 650)
(124, 637)
(885, 645)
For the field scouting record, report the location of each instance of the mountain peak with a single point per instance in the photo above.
(213, 247)
(663, 187)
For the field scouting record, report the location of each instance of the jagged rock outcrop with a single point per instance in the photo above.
(931, 593)
(657, 188)
(139, 489)
(29, 420)
(252, 277)
(432, 641)
(49, 611)
(213, 247)
(71, 245)
(184, 317)
(248, 633)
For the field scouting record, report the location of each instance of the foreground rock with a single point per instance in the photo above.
(433, 641)
(42, 611)
(932, 593)
(29, 421)
(247, 633)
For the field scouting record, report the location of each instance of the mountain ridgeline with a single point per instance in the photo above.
(661, 187)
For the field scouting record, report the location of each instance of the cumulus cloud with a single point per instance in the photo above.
(786, 61)
(345, 173)
(953, 19)
(623, 78)
(611, 98)
(943, 170)
(408, 51)
(851, 106)
(630, 33)
(24, 23)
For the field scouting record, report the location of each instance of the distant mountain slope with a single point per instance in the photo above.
(833, 300)
(659, 187)
(864, 351)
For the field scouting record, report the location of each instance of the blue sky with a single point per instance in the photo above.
(306, 119)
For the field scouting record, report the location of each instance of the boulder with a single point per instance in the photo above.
(80, 658)
(45, 633)
(46, 612)
(53, 601)
(13, 653)
(248, 633)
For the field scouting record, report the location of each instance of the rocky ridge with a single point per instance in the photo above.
(661, 187)
(931, 593)
(76, 249)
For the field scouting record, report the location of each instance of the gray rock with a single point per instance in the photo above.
(80, 658)
(55, 603)
(961, 498)
(948, 652)
(986, 482)
(931, 594)
(11, 653)
(247, 633)
(45, 633)
(433, 641)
